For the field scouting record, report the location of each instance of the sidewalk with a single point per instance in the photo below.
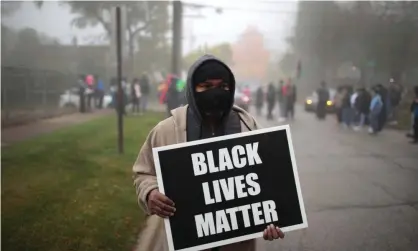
(15, 134)
(19, 133)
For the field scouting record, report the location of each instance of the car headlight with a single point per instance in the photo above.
(309, 102)
(329, 102)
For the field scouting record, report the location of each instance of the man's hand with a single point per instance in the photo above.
(272, 232)
(160, 204)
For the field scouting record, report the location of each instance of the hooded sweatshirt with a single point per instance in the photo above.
(173, 130)
(196, 128)
(376, 104)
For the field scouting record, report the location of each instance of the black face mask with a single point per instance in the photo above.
(214, 101)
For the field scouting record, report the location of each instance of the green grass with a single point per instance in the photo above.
(70, 190)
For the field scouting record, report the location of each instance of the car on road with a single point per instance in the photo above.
(242, 100)
(312, 100)
(71, 99)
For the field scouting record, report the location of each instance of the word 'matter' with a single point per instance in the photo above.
(208, 225)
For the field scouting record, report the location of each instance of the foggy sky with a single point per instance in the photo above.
(54, 20)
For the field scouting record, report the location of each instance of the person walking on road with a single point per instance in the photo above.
(347, 110)
(414, 111)
(376, 108)
(323, 97)
(271, 101)
(210, 113)
(384, 114)
(362, 105)
(338, 100)
(289, 94)
(145, 91)
(282, 105)
(393, 100)
(259, 100)
(355, 113)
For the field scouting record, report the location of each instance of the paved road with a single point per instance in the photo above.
(360, 191)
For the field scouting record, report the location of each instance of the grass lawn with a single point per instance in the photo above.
(70, 190)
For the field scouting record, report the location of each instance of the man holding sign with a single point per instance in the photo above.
(210, 113)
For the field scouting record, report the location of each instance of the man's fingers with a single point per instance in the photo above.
(265, 235)
(161, 197)
(164, 206)
(164, 212)
(274, 232)
(160, 212)
(280, 232)
(269, 233)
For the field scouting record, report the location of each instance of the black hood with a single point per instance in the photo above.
(190, 93)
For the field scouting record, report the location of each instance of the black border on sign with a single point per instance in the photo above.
(156, 150)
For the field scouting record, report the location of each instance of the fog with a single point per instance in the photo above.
(315, 65)
(356, 43)
(68, 39)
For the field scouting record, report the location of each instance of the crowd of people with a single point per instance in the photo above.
(171, 92)
(283, 96)
(359, 108)
(91, 92)
(140, 90)
(374, 107)
(355, 108)
(135, 93)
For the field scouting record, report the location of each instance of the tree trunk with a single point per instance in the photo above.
(131, 55)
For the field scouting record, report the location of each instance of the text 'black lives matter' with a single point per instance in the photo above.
(229, 189)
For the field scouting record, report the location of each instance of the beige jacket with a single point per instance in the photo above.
(170, 131)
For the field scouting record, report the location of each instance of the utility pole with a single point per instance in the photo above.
(177, 38)
(119, 77)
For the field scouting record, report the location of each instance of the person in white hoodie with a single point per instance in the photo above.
(355, 114)
(136, 95)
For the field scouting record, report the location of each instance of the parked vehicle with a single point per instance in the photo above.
(242, 100)
(71, 99)
(312, 100)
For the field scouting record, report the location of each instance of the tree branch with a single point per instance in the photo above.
(138, 29)
(105, 25)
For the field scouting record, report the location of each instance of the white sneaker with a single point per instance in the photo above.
(357, 128)
(370, 130)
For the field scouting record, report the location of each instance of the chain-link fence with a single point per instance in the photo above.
(28, 94)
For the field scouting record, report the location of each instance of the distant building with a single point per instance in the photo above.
(250, 57)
